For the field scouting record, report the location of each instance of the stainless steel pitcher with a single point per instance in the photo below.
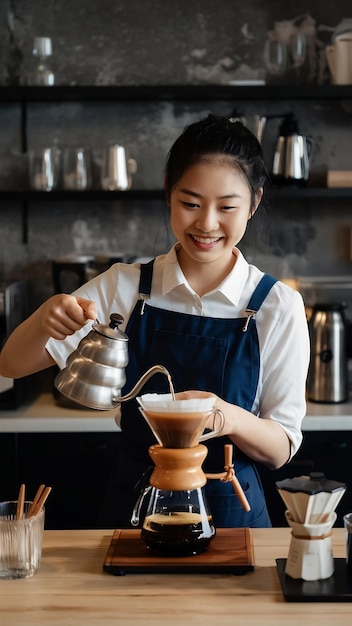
(117, 169)
(328, 372)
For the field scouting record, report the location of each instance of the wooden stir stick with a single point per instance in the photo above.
(35, 500)
(20, 502)
(40, 503)
(38, 500)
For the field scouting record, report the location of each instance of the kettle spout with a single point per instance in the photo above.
(148, 374)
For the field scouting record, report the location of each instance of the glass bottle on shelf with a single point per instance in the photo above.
(42, 71)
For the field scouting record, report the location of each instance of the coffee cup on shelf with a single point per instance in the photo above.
(339, 58)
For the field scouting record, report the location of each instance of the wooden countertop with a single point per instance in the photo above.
(45, 415)
(72, 589)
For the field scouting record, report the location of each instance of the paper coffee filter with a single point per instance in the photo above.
(160, 402)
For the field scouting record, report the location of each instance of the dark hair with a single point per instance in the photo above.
(217, 135)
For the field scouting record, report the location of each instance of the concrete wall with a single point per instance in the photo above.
(163, 42)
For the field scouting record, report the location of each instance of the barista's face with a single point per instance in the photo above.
(210, 208)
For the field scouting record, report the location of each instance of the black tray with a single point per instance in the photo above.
(337, 588)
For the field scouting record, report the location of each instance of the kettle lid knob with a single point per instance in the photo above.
(115, 320)
(111, 330)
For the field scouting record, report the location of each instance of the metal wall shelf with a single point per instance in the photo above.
(103, 93)
(158, 194)
(79, 196)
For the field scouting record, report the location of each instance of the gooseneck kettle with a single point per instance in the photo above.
(292, 151)
(328, 371)
(95, 372)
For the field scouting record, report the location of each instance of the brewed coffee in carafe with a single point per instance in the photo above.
(178, 523)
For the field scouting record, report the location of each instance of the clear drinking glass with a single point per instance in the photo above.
(77, 167)
(44, 166)
(275, 57)
(20, 541)
(298, 49)
(347, 522)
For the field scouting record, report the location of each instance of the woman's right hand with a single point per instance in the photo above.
(63, 314)
(24, 351)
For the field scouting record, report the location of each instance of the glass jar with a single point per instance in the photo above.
(42, 71)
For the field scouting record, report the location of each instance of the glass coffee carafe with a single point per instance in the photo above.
(178, 521)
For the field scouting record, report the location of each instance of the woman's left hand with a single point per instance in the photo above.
(213, 422)
(263, 440)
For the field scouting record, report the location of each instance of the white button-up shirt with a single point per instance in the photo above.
(281, 326)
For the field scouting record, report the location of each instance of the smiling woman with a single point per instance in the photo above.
(214, 186)
(219, 325)
(210, 207)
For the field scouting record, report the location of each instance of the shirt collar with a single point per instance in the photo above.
(231, 287)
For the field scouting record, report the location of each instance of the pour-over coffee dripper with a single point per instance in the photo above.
(178, 521)
(311, 502)
(179, 423)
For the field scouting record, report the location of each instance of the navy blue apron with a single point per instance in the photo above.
(204, 353)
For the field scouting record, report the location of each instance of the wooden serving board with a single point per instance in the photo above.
(230, 551)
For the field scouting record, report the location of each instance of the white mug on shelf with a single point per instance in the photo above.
(339, 58)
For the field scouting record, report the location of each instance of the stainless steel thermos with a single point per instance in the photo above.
(328, 370)
(293, 151)
(291, 158)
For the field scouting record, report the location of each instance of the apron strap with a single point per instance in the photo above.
(145, 282)
(260, 292)
(258, 297)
